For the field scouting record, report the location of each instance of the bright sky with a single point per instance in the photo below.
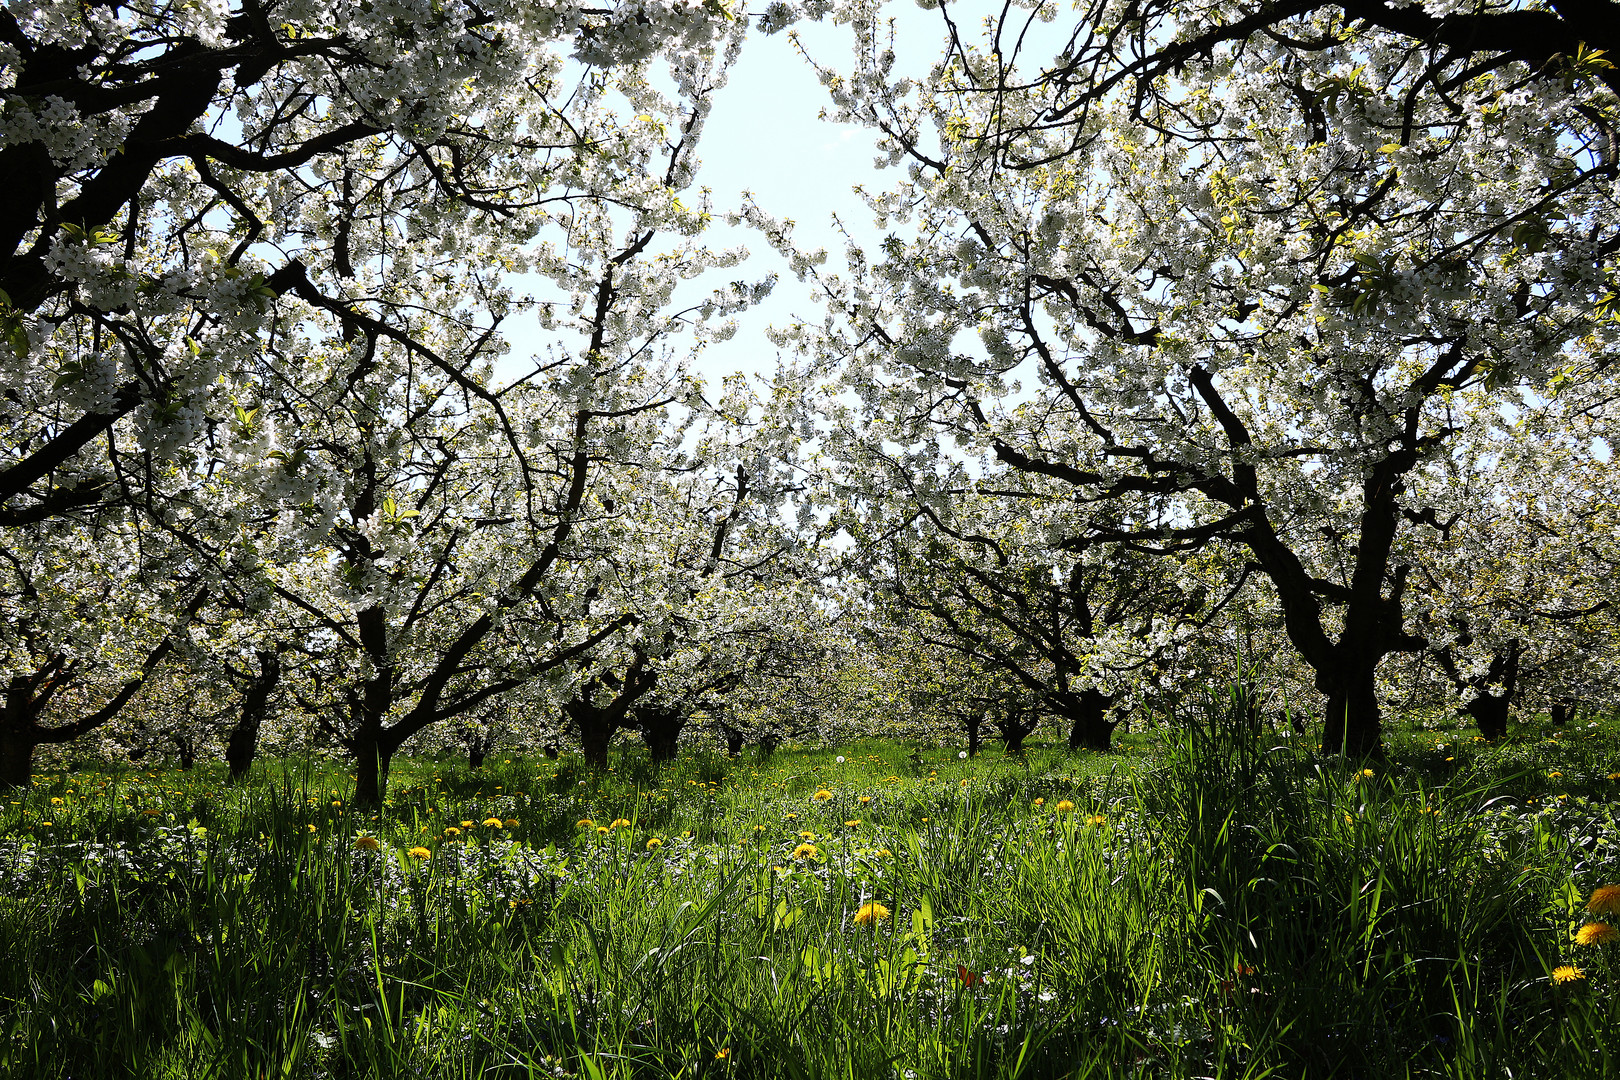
(765, 136)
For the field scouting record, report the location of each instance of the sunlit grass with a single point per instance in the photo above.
(1214, 907)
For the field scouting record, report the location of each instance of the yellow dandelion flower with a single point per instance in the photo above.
(1605, 900)
(1040, 802)
(871, 914)
(1554, 775)
(1095, 819)
(1567, 973)
(311, 828)
(822, 796)
(722, 1053)
(885, 853)
(805, 851)
(367, 843)
(865, 799)
(420, 853)
(807, 835)
(854, 824)
(619, 823)
(510, 823)
(56, 802)
(1614, 776)
(793, 817)
(159, 813)
(585, 823)
(602, 830)
(452, 832)
(1596, 933)
(492, 823)
(466, 824)
(1063, 806)
(654, 842)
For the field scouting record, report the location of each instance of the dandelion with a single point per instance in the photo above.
(420, 853)
(585, 823)
(466, 824)
(492, 823)
(885, 853)
(870, 914)
(961, 755)
(311, 828)
(840, 759)
(602, 830)
(1605, 900)
(511, 823)
(1567, 973)
(1554, 775)
(725, 1051)
(822, 796)
(1063, 806)
(654, 842)
(1596, 933)
(367, 843)
(452, 832)
(159, 813)
(854, 824)
(1095, 819)
(865, 799)
(793, 817)
(56, 802)
(1040, 802)
(805, 851)
(619, 823)
(1365, 774)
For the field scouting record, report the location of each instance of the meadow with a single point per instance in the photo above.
(1219, 903)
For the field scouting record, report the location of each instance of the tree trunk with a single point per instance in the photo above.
(1014, 731)
(243, 744)
(1564, 710)
(734, 739)
(1089, 727)
(373, 757)
(476, 753)
(660, 727)
(596, 730)
(1490, 713)
(16, 757)
(975, 734)
(1353, 724)
(187, 750)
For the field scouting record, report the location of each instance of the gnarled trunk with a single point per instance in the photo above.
(596, 730)
(373, 757)
(16, 757)
(975, 733)
(1353, 724)
(661, 727)
(1490, 710)
(1089, 726)
(1015, 730)
(243, 743)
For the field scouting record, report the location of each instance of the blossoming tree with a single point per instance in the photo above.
(1243, 263)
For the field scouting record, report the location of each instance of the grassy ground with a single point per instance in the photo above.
(1205, 907)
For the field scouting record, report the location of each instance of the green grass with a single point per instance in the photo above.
(1210, 907)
